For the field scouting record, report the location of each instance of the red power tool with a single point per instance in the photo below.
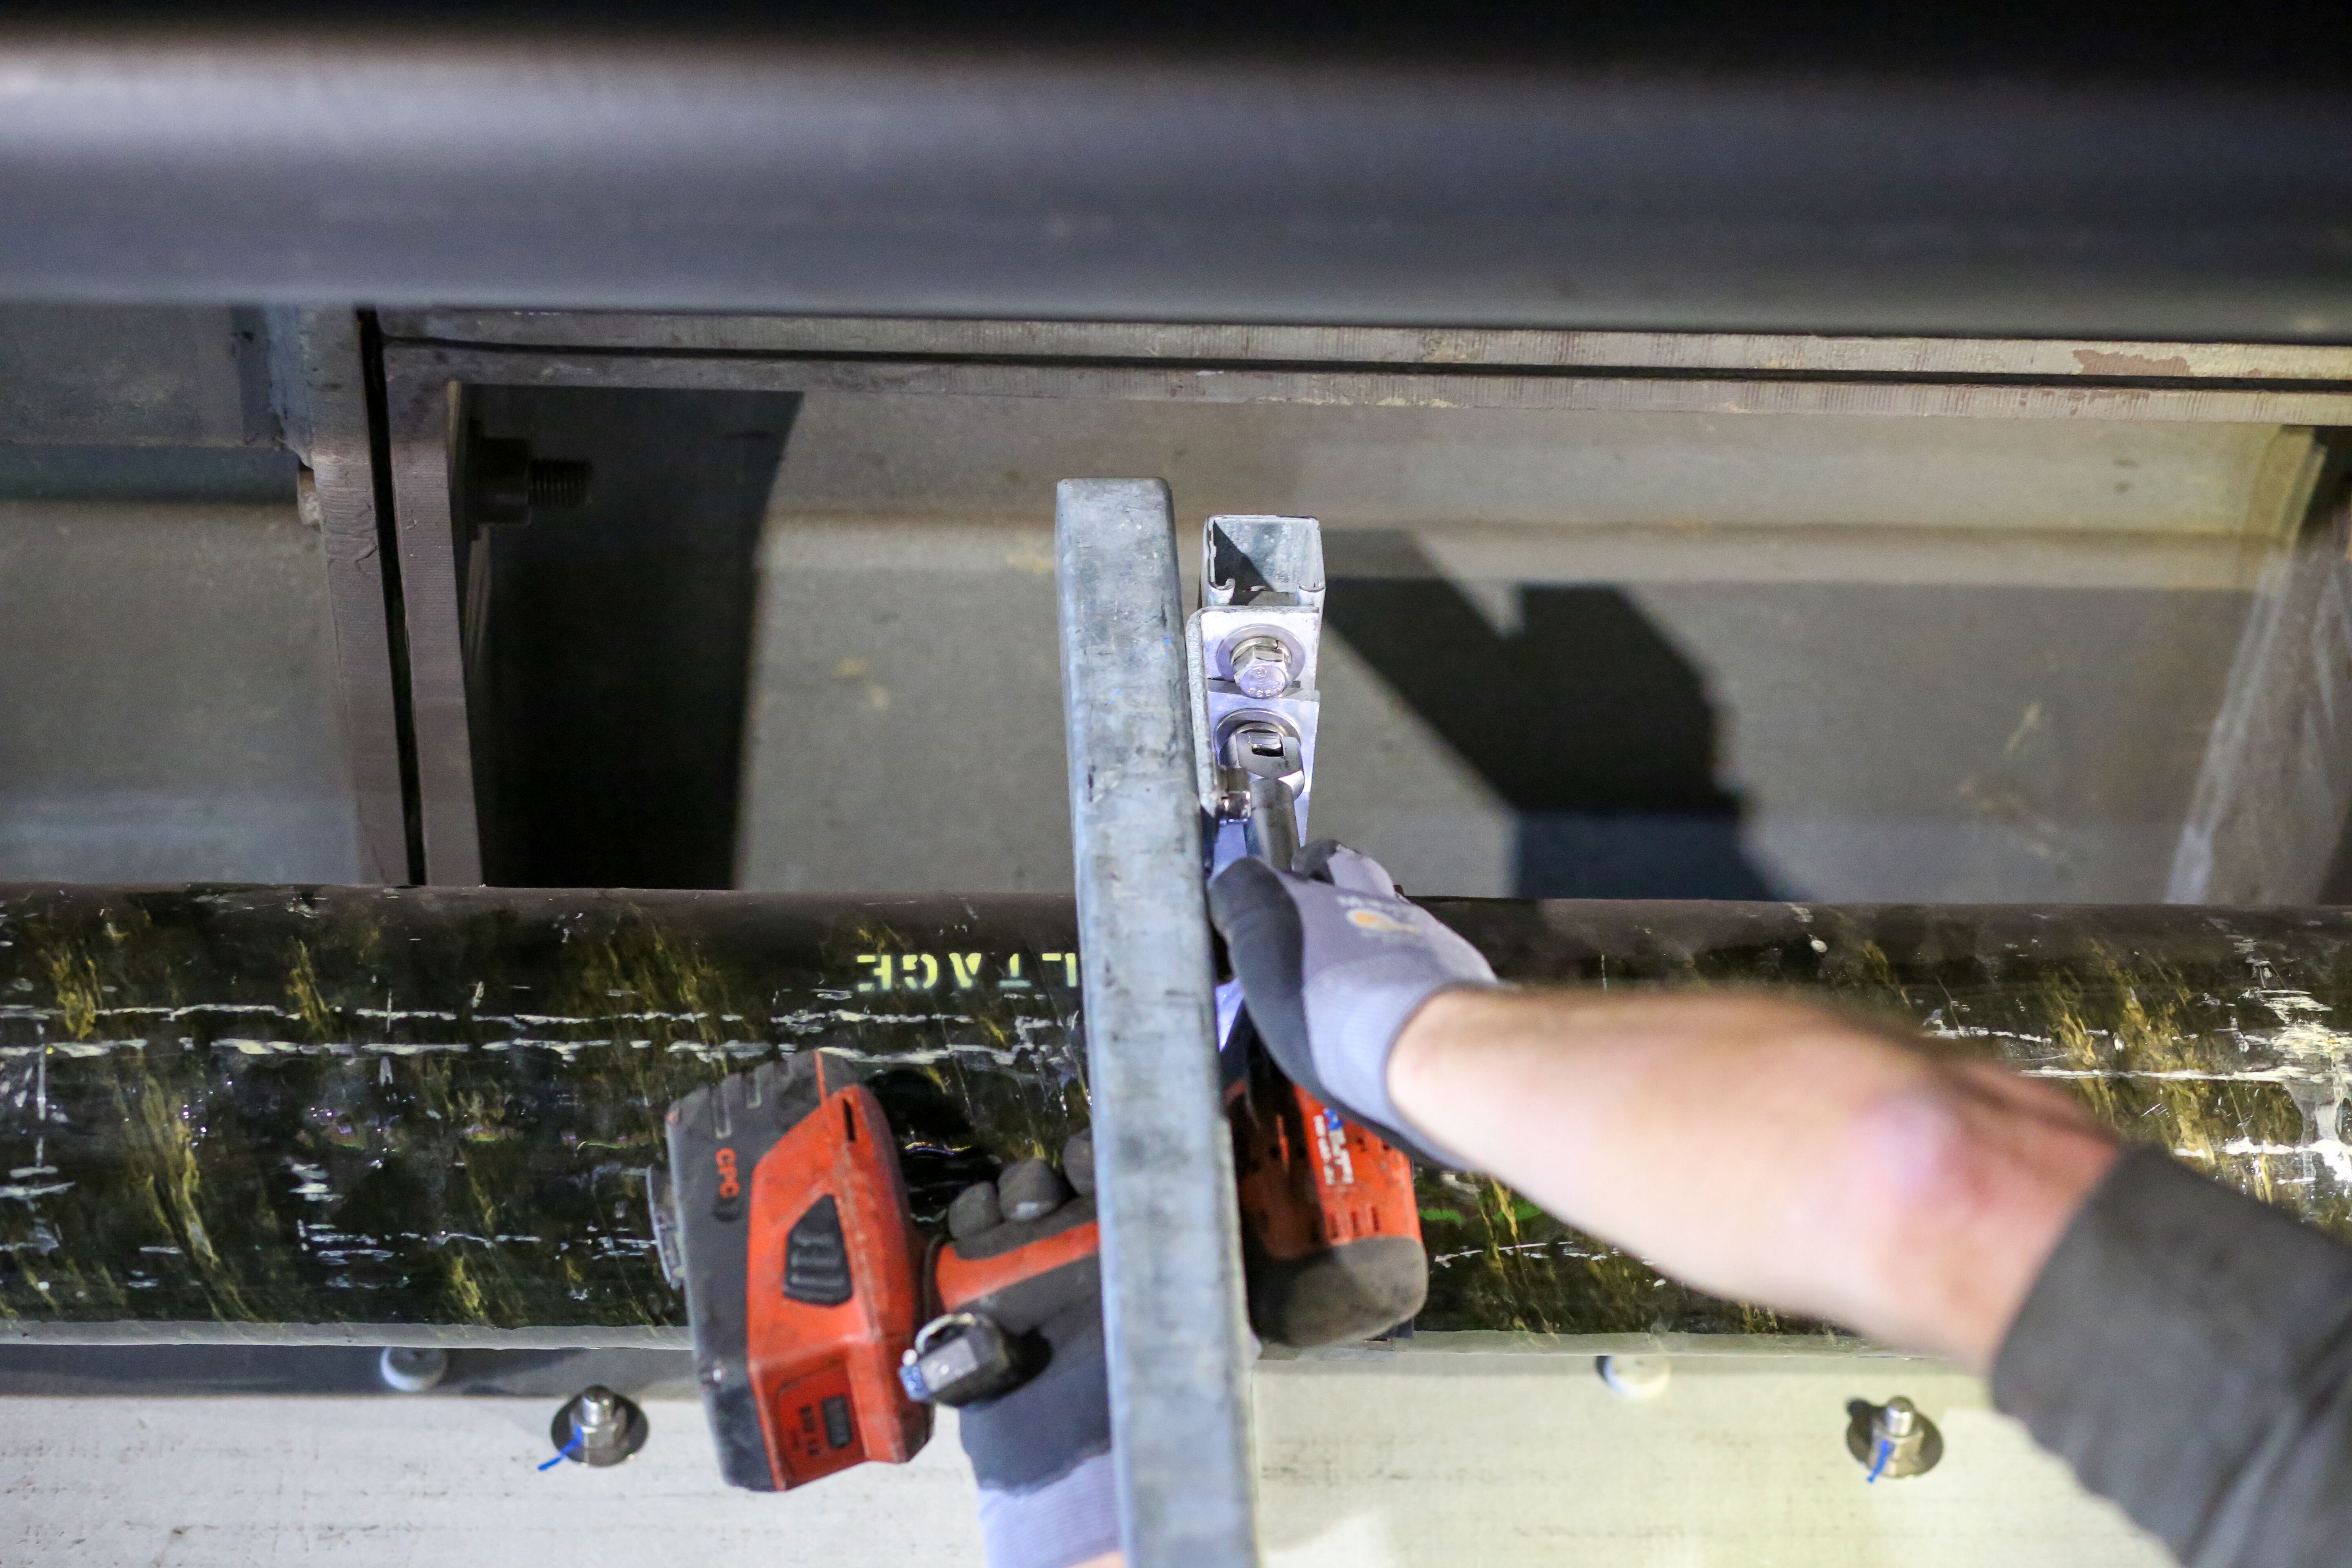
(825, 1324)
(1331, 1246)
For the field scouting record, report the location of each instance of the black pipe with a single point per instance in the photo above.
(1798, 188)
(430, 1107)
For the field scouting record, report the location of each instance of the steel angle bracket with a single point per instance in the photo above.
(1251, 651)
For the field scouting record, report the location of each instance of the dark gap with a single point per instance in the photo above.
(395, 604)
(610, 646)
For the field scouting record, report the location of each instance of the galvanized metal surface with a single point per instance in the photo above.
(340, 1114)
(1172, 1246)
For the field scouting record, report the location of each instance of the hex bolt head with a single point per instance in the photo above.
(1893, 1440)
(597, 1414)
(1262, 667)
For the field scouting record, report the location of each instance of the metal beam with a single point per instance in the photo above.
(320, 382)
(1171, 1244)
(2275, 788)
(419, 410)
(1760, 354)
(2220, 401)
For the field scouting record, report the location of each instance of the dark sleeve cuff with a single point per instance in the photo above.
(2186, 1349)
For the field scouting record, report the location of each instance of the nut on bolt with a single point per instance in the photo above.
(597, 1427)
(1892, 1439)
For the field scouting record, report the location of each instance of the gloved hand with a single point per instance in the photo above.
(1333, 963)
(1041, 1451)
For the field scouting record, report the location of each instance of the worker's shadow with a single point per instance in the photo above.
(1585, 720)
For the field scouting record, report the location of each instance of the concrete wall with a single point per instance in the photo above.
(168, 708)
(1906, 659)
(167, 696)
(1409, 1460)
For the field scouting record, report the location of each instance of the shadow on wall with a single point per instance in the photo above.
(1586, 722)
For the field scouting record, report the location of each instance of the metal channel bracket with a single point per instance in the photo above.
(1251, 649)
(1173, 1320)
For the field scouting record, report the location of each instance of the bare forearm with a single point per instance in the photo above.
(1763, 1149)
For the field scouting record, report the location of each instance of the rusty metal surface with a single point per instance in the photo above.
(1758, 354)
(2196, 401)
(271, 1106)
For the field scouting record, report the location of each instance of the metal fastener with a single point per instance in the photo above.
(597, 1427)
(1635, 1376)
(1263, 666)
(412, 1369)
(1892, 1439)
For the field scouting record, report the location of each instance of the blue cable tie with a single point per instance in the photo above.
(1885, 1452)
(573, 1448)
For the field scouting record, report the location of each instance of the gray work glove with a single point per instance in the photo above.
(1041, 1453)
(1333, 963)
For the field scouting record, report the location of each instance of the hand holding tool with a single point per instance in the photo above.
(826, 1326)
(1333, 962)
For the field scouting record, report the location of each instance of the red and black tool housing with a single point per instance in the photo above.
(1331, 1245)
(802, 1268)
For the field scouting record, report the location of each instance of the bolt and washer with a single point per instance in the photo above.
(1263, 666)
(597, 1427)
(1891, 1440)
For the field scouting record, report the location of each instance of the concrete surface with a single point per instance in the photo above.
(1935, 660)
(1930, 742)
(905, 727)
(169, 377)
(1399, 1461)
(167, 696)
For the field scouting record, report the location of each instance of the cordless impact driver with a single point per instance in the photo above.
(826, 1324)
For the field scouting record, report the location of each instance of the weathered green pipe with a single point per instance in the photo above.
(424, 1112)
